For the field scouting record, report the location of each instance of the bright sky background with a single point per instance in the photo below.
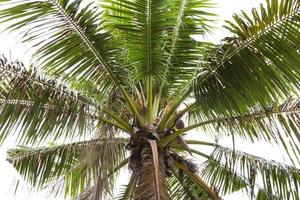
(10, 46)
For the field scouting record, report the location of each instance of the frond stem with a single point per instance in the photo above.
(92, 48)
(197, 180)
(175, 37)
(259, 114)
(189, 88)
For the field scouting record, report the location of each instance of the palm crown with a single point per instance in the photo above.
(119, 79)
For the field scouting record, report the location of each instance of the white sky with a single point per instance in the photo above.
(8, 43)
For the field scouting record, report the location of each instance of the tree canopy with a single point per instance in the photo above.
(118, 83)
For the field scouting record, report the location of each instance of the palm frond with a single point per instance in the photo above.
(67, 37)
(70, 41)
(263, 195)
(182, 51)
(185, 188)
(108, 160)
(55, 160)
(257, 66)
(277, 123)
(276, 178)
(167, 39)
(221, 178)
(189, 170)
(155, 159)
(138, 24)
(247, 27)
(226, 181)
(40, 106)
(89, 192)
(128, 192)
(75, 164)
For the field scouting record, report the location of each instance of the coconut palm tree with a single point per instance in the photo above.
(118, 83)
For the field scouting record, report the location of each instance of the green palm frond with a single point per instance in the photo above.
(38, 105)
(76, 164)
(141, 27)
(182, 52)
(182, 187)
(223, 179)
(258, 65)
(70, 42)
(134, 67)
(67, 37)
(247, 27)
(166, 39)
(227, 181)
(59, 159)
(107, 159)
(89, 192)
(190, 170)
(278, 179)
(263, 195)
(260, 123)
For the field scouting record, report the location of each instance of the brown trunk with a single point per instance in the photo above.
(146, 186)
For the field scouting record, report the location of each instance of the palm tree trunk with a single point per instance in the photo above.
(146, 185)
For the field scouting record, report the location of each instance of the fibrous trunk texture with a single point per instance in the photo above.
(146, 186)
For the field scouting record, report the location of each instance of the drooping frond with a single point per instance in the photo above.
(220, 177)
(263, 195)
(276, 123)
(70, 42)
(89, 192)
(39, 107)
(155, 162)
(108, 159)
(54, 161)
(67, 37)
(76, 165)
(278, 179)
(182, 187)
(190, 170)
(226, 181)
(257, 66)
(223, 179)
(128, 191)
(260, 123)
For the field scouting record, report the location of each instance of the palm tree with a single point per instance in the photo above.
(119, 82)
